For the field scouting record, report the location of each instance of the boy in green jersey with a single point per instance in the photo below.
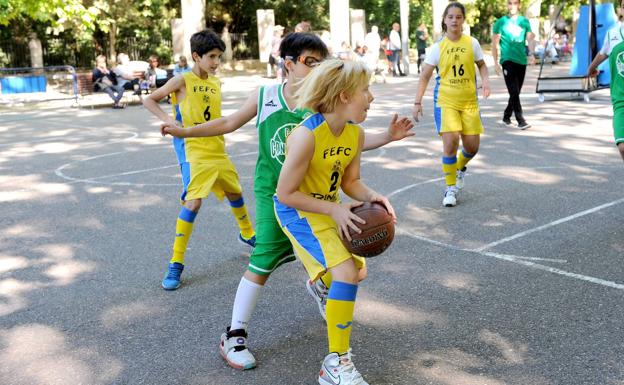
(276, 117)
(612, 49)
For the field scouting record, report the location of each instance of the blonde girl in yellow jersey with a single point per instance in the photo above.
(205, 166)
(323, 156)
(456, 108)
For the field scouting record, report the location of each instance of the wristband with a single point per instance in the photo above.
(417, 103)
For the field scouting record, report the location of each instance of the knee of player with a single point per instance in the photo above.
(193, 205)
(472, 150)
(362, 274)
(233, 196)
(348, 274)
(620, 147)
(256, 278)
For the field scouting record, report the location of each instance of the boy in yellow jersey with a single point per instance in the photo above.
(274, 106)
(204, 164)
(323, 156)
(456, 109)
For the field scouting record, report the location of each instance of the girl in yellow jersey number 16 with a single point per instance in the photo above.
(323, 156)
(456, 108)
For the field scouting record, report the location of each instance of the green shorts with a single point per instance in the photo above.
(618, 124)
(273, 248)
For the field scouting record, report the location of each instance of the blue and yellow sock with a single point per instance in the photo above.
(449, 167)
(340, 306)
(463, 158)
(242, 218)
(184, 228)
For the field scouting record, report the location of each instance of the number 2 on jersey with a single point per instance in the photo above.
(334, 180)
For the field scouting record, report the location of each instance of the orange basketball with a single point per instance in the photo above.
(377, 233)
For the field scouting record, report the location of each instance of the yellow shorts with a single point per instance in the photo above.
(467, 121)
(315, 240)
(217, 176)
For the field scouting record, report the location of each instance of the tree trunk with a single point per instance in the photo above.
(112, 42)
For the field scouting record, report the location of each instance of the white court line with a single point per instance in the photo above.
(399, 230)
(551, 224)
(582, 277)
(525, 261)
(395, 192)
(95, 180)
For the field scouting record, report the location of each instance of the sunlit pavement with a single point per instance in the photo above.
(521, 283)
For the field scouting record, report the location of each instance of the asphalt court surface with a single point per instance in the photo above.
(521, 283)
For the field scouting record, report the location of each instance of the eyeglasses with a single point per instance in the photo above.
(309, 61)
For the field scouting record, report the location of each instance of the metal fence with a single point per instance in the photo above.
(59, 51)
(242, 47)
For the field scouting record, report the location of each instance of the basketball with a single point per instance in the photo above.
(377, 233)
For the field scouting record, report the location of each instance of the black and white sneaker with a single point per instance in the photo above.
(524, 125)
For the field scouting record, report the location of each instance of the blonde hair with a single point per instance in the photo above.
(320, 90)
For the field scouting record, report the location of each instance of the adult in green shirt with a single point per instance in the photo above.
(510, 33)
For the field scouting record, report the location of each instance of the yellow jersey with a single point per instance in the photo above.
(202, 103)
(456, 85)
(332, 155)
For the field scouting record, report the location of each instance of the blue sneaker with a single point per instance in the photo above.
(172, 279)
(251, 242)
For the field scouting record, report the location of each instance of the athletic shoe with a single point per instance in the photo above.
(233, 348)
(339, 370)
(251, 242)
(318, 291)
(172, 279)
(507, 121)
(524, 125)
(459, 183)
(450, 196)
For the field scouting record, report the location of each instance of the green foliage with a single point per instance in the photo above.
(146, 23)
(482, 17)
(61, 14)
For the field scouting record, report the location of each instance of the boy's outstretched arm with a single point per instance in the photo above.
(220, 126)
(593, 67)
(397, 129)
(151, 102)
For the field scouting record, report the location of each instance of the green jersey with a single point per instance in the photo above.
(613, 47)
(275, 120)
(512, 31)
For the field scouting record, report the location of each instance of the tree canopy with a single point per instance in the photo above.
(108, 22)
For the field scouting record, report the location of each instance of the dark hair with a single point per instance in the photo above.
(205, 41)
(451, 5)
(295, 43)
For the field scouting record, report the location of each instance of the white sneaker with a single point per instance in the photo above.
(318, 291)
(459, 183)
(450, 196)
(339, 370)
(234, 350)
